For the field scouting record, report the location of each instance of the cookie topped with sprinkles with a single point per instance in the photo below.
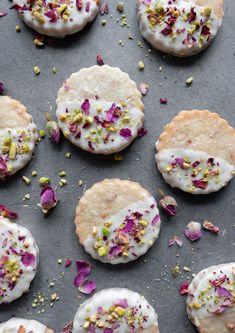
(20, 325)
(57, 18)
(19, 257)
(180, 27)
(18, 135)
(117, 221)
(196, 152)
(116, 310)
(100, 110)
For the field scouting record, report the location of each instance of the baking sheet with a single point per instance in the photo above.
(213, 89)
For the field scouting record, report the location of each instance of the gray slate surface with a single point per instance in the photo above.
(213, 88)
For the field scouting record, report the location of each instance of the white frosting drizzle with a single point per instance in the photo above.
(173, 43)
(211, 177)
(31, 326)
(148, 208)
(69, 21)
(23, 140)
(105, 299)
(203, 299)
(15, 276)
(103, 140)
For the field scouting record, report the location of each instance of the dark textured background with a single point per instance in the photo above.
(213, 88)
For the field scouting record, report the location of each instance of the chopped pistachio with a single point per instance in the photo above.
(26, 180)
(62, 182)
(27, 196)
(42, 133)
(34, 173)
(38, 42)
(18, 28)
(67, 155)
(62, 173)
(189, 81)
(120, 7)
(141, 65)
(44, 181)
(80, 182)
(103, 22)
(54, 70)
(36, 70)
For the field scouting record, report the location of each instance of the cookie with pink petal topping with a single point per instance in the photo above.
(18, 135)
(57, 18)
(196, 152)
(180, 27)
(211, 299)
(19, 257)
(20, 325)
(100, 110)
(117, 221)
(116, 310)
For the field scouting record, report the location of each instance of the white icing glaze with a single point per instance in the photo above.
(106, 298)
(204, 295)
(174, 43)
(15, 276)
(77, 19)
(30, 326)
(217, 175)
(115, 141)
(24, 140)
(148, 208)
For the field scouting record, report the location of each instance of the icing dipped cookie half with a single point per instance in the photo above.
(117, 221)
(57, 18)
(196, 152)
(18, 135)
(20, 325)
(19, 256)
(116, 310)
(100, 110)
(180, 27)
(211, 299)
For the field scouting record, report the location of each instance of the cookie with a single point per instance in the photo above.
(57, 18)
(196, 152)
(180, 27)
(117, 221)
(19, 257)
(211, 299)
(19, 325)
(116, 310)
(100, 110)
(18, 135)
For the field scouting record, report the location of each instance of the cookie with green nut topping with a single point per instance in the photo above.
(117, 221)
(116, 310)
(57, 18)
(196, 152)
(100, 110)
(20, 325)
(180, 27)
(18, 135)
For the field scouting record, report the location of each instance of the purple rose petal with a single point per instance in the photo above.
(175, 240)
(223, 292)
(155, 220)
(28, 259)
(68, 328)
(142, 132)
(86, 106)
(193, 231)
(83, 267)
(104, 9)
(1, 87)
(79, 279)
(125, 133)
(115, 251)
(87, 287)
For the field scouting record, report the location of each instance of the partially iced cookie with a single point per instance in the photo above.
(57, 18)
(211, 299)
(100, 110)
(196, 152)
(116, 310)
(19, 325)
(117, 221)
(19, 257)
(180, 27)
(18, 135)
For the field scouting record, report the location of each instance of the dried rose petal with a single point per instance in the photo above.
(104, 9)
(3, 13)
(192, 16)
(88, 4)
(175, 240)
(205, 30)
(125, 133)
(86, 107)
(5, 212)
(52, 14)
(184, 288)
(68, 262)
(129, 226)
(223, 292)
(218, 282)
(87, 287)
(68, 328)
(83, 267)
(79, 4)
(200, 183)
(143, 88)
(48, 199)
(53, 131)
(1, 87)
(169, 205)
(79, 279)
(111, 115)
(167, 31)
(3, 168)
(28, 259)
(155, 220)
(115, 251)
(99, 59)
(211, 227)
(193, 231)
(180, 162)
(142, 132)
(163, 100)
(122, 303)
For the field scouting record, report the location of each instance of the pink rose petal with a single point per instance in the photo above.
(83, 267)
(87, 287)
(28, 259)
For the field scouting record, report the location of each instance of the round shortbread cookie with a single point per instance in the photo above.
(116, 310)
(100, 110)
(211, 299)
(18, 135)
(57, 18)
(19, 256)
(196, 152)
(180, 27)
(20, 325)
(117, 221)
